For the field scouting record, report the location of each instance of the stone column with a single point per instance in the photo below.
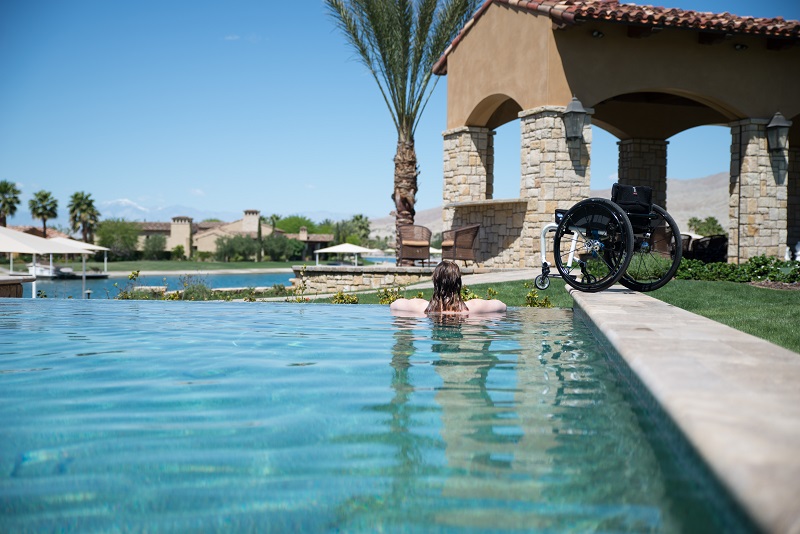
(468, 167)
(793, 202)
(554, 172)
(644, 162)
(758, 195)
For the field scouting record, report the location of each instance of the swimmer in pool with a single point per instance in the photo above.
(447, 296)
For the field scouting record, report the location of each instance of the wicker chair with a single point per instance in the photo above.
(458, 243)
(415, 243)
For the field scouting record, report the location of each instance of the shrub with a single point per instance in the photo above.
(755, 269)
(195, 288)
(154, 247)
(120, 236)
(388, 295)
(342, 298)
(532, 299)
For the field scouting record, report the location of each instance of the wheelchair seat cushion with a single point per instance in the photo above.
(633, 198)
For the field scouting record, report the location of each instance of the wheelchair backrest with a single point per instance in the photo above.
(633, 198)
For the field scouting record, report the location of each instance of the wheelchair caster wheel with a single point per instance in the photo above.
(542, 282)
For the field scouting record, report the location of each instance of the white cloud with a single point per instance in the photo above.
(123, 202)
(232, 37)
(197, 192)
(310, 186)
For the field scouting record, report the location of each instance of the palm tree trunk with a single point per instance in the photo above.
(44, 228)
(405, 189)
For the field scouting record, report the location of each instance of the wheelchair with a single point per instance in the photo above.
(599, 242)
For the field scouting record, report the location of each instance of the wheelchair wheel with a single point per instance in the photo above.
(593, 244)
(542, 282)
(657, 251)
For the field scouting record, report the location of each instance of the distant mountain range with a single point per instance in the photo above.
(131, 211)
(699, 197)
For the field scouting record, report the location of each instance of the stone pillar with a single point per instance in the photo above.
(793, 202)
(758, 195)
(644, 162)
(555, 172)
(468, 167)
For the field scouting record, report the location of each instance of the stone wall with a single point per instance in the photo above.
(332, 279)
(793, 200)
(758, 195)
(555, 174)
(555, 171)
(644, 162)
(468, 164)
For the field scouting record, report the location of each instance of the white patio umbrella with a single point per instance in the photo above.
(86, 246)
(344, 248)
(12, 241)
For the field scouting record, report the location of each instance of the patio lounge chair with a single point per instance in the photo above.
(458, 243)
(415, 243)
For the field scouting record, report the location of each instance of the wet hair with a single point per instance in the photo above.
(446, 289)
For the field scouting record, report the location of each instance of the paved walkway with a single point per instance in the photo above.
(734, 396)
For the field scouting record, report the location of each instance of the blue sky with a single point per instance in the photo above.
(240, 104)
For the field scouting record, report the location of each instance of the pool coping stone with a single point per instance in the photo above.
(735, 397)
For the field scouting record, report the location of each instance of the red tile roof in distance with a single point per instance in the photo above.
(569, 12)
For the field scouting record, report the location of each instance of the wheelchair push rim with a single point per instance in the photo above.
(593, 244)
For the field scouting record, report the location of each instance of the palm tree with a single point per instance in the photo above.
(43, 206)
(9, 200)
(399, 41)
(83, 215)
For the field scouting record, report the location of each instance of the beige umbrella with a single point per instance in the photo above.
(344, 248)
(13, 241)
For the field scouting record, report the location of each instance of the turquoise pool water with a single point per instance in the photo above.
(104, 288)
(174, 417)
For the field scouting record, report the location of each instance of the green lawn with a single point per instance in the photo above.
(770, 314)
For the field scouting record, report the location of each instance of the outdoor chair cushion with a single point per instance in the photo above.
(412, 243)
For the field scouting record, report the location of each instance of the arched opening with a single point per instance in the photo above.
(507, 160)
(499, 113)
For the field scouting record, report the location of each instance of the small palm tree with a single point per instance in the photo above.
(83, 215)
(399, 41)
(43, 206)
(9, 200)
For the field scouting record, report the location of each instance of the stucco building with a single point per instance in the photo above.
(202, 236)
(641, 73)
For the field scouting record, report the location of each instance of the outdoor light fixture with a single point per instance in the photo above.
(574, 117)
(597, 34)
(778, 133)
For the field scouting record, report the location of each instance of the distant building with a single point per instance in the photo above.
(202, 236)
(312, 242)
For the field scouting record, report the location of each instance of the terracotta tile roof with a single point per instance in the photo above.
(313, 238)
(569, 12)
(37, 231)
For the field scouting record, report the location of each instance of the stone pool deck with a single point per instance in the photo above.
(735, 397)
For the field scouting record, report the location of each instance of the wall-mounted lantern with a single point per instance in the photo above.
(778, 133)
(574, 117)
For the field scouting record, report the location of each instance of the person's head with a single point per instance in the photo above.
(446, 289)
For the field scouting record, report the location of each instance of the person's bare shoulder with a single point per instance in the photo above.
(415, 305)
(485, 306)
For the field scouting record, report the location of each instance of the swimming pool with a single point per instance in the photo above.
(104, 288)
(175, 416)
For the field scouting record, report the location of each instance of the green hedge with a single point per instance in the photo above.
(756, 269)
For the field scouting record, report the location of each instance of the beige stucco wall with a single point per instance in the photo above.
(518, 54)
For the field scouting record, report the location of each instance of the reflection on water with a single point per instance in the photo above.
(171, 417)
